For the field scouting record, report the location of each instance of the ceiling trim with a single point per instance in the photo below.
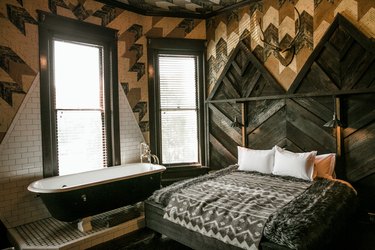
(166, 13)
(230, 8)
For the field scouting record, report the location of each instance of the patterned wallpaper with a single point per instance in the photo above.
(19, 63)
(179, 6)
(19, 40)
(279, 21)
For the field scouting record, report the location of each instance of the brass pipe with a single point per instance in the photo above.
(244, 123)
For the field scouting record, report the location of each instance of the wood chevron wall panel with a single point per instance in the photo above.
(341, 65)
(359, 136)
(244, 76)
(305, 128)
(295, 124)
(223, 138)
(344, 60)
(19, 48)
(359, 144)
(279, 21)
(266, 126)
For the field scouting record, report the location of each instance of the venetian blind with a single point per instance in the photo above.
(178, 108)
(79, 107)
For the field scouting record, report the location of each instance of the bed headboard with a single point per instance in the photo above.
(339, 71)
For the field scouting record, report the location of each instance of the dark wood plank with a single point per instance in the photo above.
(222, 122)
(229, 109)
(289, 145)
(260, 111)
(316, 80)
(241, 60)
(354, 55)
(358, 111)
(225, 139)
(320, 106)
(340, 39)
(230, 90)
(359, 153)
(368, 78)
(309, 124)
(250, 82)
(272, 131)
(225, 157)
(330, 61)
(240, 46)
(356, 70)
(356, 34)
(305, 143)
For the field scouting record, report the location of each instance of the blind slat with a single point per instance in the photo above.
(79, 102)
(177, 81)
(178, 107)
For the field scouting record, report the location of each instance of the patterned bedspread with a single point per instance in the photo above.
(235, 206)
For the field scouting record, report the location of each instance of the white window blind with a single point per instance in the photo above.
(79, 107)
(178, 108)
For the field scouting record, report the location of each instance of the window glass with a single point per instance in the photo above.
(178, 108)
(78, 95)
(80, 130)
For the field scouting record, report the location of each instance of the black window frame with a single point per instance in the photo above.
(175, 46)
(52, 27)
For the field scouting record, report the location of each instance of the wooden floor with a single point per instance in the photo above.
(362, 237)
(144, 239)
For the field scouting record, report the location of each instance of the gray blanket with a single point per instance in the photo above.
(315, 218)
(231, 206)
(239, 207)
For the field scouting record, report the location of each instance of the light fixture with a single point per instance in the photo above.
(335, 122)
(243, 124)
(236, 123)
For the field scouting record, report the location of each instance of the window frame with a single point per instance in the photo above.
(196, 48)
(53, 27)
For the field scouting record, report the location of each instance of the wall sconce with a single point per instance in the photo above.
(335, 122)
(236, 123)
(242, 124)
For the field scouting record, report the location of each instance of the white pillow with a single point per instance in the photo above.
(324, 165)
(255, 160)
(299, 165)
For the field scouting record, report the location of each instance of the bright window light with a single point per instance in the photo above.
(78, 79)
(178, 108)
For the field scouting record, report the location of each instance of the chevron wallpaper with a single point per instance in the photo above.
(19, 63)
(279, 21)
(19, 38)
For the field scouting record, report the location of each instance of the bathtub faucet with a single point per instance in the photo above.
(146, 155)
(155, 159)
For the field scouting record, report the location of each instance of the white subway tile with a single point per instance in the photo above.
(14, 156)
(21, 161)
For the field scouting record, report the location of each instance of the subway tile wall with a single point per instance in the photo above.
(130, 133)
(21, 163)
(21, 157)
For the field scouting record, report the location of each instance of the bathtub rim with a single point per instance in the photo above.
(31, 187)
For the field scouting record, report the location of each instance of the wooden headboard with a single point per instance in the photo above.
(339, 71)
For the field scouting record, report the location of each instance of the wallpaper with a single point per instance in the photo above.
(180, 6)
(19, 55)
(279, 22)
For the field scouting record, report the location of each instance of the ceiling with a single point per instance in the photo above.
(178, 8)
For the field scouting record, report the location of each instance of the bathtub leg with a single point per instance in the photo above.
(84, 225)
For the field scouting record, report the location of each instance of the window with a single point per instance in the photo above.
(79, 101)
(176, 101)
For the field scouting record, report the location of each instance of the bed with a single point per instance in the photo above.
(236, 209)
